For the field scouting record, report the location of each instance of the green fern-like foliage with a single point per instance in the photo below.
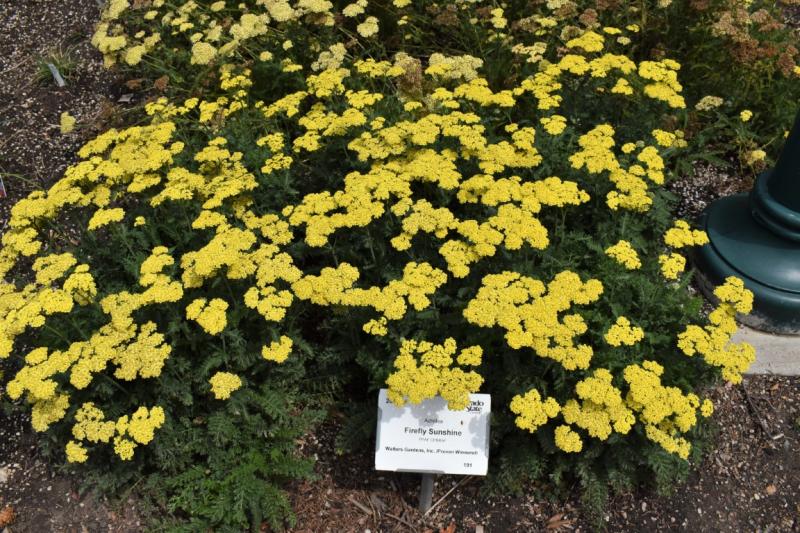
(227, 472)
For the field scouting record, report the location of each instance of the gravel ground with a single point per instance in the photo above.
(33, 151)
(707, 183)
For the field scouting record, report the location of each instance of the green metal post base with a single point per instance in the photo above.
(776, 215)
(767, 262)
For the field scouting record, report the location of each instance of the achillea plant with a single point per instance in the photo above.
(331, 207)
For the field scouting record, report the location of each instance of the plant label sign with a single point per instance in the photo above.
(430, 438)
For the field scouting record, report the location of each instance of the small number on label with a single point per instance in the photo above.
(467, 465)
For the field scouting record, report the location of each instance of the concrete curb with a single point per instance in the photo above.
(775, 354)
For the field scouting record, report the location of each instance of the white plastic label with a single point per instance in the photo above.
(428, 437)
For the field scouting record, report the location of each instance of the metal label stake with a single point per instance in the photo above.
(56, 75)
(426, 492)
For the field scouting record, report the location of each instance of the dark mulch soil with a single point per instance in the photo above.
(750, 482)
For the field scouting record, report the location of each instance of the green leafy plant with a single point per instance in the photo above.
(62, 59)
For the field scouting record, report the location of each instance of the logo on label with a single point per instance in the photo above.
(475, 406)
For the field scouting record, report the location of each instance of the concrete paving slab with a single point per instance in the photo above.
(775, 354)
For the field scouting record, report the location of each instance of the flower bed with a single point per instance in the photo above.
(328, 204)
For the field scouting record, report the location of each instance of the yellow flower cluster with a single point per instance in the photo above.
(223, 384)
(529, 312)
(210, 315)
(127, 432)
(334, 286)
(665, 412)
(623, 333)
(631, 190)
(568, 440)
(708, 103)
(713, 342)
(672, 265)
(368, 28)
(278, 351)
(601, 409)
(454, 67)
(532, 411)
(669, 139)
(589, 41)
(554, 125)
(425, 370)
(664, 77)
(624, 254)
(681, 235)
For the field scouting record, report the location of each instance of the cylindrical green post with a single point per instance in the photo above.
(756, 237)
(775, 198)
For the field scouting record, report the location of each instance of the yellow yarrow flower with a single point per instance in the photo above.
(708, 103)
(368, 28)
(76, 452)
(143, 423)
(554, 125)
(623, 333)
(67, 123)
(665, 411)
(681, 235)
(755, 156)
(664, 138)
(568, 440)
(203, 53)
(278, 351)
(707, 408)
(223, 384)
(124, 448)
(589, 42)
(376, 327)
(624, 254)
(424, 370)
(601, 409)
(103, 217)
(210, 315)
(498, 19)
(734, 293)
(532, 411)
(671, 265)
(530, 312)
